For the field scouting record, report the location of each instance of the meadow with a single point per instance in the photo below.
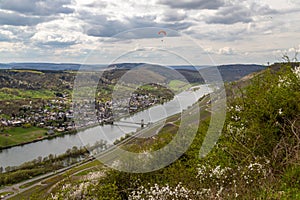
(18, 135)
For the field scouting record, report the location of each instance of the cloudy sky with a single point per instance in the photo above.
(99, 31)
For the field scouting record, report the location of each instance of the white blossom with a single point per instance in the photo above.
(296, 71)
(162, 192)
(284, 81)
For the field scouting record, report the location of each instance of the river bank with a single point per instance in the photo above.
(48, 137)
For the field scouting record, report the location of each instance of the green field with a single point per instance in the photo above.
(27, 71)
(177, 85)
(12, 94)
(18, 135)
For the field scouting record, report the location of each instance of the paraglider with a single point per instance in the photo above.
(162, 32)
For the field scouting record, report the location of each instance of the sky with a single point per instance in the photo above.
(201, 32)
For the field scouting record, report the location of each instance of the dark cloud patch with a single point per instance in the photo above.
(262, 9)
(231, 15)
(227, 35)
(16, 19)
(37, 7)
(101, 26)
(149, 32)
(173, 16)
(192, 4)
(239, 13)
(150, 21)
(56, 44)
(97, 4)
(178, 26)
(102, 31)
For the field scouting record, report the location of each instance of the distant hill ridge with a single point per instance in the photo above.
(48, 66)
(74, 66)
(229, 72)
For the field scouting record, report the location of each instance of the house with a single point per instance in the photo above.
(50, 132)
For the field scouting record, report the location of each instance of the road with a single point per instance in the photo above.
(16, 188)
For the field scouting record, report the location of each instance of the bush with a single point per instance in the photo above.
(263, 118)
(27, 125)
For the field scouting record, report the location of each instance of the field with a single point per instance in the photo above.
(177, 85)
(18, 135)
(12, 94)
(27, 71)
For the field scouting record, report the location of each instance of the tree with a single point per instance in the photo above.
(1, 128)
(8, 169)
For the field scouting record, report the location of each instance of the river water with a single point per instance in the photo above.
(15, 156)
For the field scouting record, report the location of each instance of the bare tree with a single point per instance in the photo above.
(286, 57)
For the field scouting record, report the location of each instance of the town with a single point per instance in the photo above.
(57, 115)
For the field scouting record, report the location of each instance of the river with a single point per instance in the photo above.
(15, 156)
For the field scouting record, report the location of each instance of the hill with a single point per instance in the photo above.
(256, 157)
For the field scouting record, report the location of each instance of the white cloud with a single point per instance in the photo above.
(226, 51)
(15, 47)
(6, 35)
(221, 51)
(248, 30)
